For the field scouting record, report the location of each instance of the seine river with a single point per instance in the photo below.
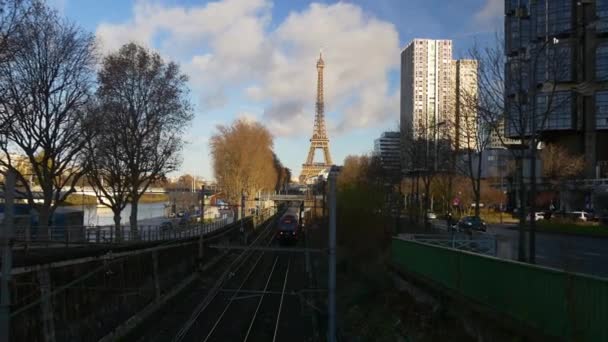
(101, 216)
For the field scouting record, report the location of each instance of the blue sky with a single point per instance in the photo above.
(255, 59)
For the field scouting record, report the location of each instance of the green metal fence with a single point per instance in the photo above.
(556, 303)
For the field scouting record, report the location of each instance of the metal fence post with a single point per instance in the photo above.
(155, 275)
(7, 255)
(46, 305)
(331, 301)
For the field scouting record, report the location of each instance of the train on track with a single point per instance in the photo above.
(289, 228)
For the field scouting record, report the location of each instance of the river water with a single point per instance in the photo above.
(101, 215)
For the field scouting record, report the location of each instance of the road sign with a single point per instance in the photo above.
(456, 201)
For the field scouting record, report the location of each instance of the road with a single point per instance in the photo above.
(572, 253)
(254, 295)
(567, 252)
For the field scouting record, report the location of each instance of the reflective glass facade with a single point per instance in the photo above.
(552, 17)
(601, 10)
(601, 62)
(555, 63)
(559, 115)
(601, 109)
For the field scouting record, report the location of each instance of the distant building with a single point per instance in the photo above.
(436, 97)
(498, 140)
(463, 125)
(388, 149)
(426, 86)
(567, 39)
(495, 164)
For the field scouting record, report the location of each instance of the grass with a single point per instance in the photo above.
(154, 198)
(79, 199)
(494, 217)
(590, 229)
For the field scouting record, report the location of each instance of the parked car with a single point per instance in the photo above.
(167, 225)
(431, 215)
(579, 216)
(468, 223)
(183, 222)
(539, 215)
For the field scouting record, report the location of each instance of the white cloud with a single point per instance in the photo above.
(487, 16)
(230, 45)
(247, 116)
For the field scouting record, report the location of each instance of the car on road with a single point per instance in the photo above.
(539, 215)
(183, 222)
(167, 225)
(431, 215)
(469, 223)
(579, 216)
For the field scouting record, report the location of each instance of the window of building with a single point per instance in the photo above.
(601, 8)
(554, 15)
(601, 110)
(554, 63)
(601, 62)
(558, 116)
(518, 33)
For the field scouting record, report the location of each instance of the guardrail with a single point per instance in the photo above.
(553, 302)
(61, 236)
(478, 243)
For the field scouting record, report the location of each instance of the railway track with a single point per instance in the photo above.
(257, 296)
(218, 300)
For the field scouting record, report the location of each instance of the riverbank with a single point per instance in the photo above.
(79, 199)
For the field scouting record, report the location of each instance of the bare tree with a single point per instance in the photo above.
(107, 164)
(283, 174)
(12, 14)
(243, 160)
(144, 104)
(525, 107)
(420, 159)
(473, 136)
(560, 165)
(45, 90)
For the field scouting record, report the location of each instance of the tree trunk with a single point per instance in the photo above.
(532, 235)
(117, 229)
(522, 211)
(427, 188)
(478, 185)
(133, 217)
(44, 214)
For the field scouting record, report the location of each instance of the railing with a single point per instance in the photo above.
(479, 243)
(74, 235)
(279, 197)
(566, 306)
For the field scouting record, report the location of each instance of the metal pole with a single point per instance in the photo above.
(7, 256)
(243, 217)
(201, 233)
(331, 302)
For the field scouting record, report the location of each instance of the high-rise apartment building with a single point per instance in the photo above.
(464, 121)
(437, 97)
(557, 52)
(426, 86)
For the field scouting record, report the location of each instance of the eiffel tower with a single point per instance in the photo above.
(319, 138)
